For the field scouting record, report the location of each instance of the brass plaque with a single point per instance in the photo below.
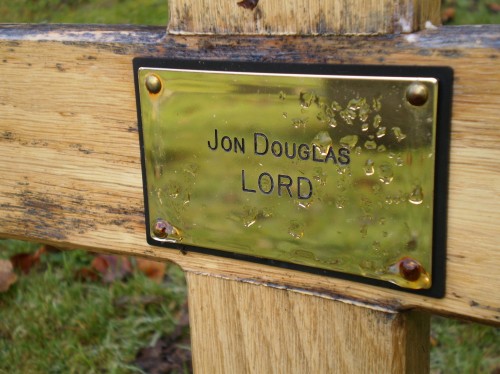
(327, 169)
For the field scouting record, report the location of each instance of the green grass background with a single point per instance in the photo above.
(50, 323)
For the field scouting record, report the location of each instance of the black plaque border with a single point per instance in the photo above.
(443, 74)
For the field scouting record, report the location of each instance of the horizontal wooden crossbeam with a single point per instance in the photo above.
(70, 160)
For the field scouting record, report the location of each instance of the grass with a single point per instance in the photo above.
(52, 323)
(464, 347)
(471, 12)
(150, 12)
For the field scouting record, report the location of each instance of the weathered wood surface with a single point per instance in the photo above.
(302, 17)
(260, 330)
(69, 150)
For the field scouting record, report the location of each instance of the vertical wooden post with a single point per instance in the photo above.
(243, 328)
(302, 17)
(246, 328)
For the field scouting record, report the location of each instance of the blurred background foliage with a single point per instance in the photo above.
(146, 12)
(155, 12)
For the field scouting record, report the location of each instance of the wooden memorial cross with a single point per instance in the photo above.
(70, 162)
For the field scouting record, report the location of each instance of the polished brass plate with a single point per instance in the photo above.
(334, 173)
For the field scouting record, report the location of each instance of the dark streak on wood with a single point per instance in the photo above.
(392, 305)
(46, 218)
(452, 43)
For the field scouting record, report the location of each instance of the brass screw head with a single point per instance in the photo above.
(417, 94)
(153, 84)
(161, 229)
(410, 269)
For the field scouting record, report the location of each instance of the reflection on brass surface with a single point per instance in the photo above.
(330, 172)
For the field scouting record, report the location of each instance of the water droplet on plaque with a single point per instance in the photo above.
(381, 148)
(304, 204)
(381, 132)
(399, 161)
(344, 170)
(174, 190)
(354, 104)
(376, 246)
(370, 144)
(282, 95)
(416, 196)
(322, 138)
(398, 134)
(249, 222)
(299, 122)
(340, 202)
(376, 121)
(249, 216)
(285, 115)
(322, 117)
(320, 176)
(266, 212)
(364, 127)
(348, 116)
(368, 168)
(296, 229)
(364, 110)
(349, 141)
(386, 174)
(332, 122)
(377, 104)
(307, 99)
(329, 112)
(358, 150)
(335, 106)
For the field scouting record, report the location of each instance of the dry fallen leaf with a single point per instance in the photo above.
(26, 261)
(7, 275)
(87, 275)
(152, 269)
(448, 14)
(493, 7)
(112, 268)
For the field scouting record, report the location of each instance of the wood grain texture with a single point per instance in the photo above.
(241, 329)
(70, 165)
(302, 17)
